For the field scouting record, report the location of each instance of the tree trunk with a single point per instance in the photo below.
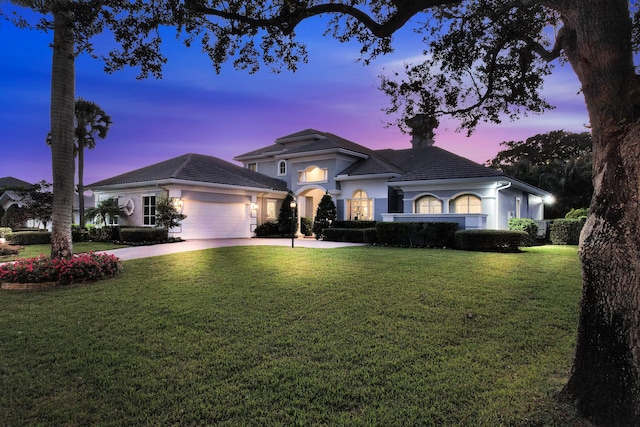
(62, 126)
(605, 379)
(81, 181)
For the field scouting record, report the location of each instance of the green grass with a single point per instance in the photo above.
(259, 336)
(32, 251)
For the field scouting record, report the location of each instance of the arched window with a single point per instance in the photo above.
(360, 207)
(428, 205)
(467, 203)
(282, 167)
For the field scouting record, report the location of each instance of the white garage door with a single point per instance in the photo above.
(206, 220)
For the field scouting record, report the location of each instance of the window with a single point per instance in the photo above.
(282, 167)
(252, 167)
(149, 210)
(428, 205)
(360, 207)
(312, 174)
(271, 209)
(467, 204)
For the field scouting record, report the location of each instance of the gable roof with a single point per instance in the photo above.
(196, 168)
(420, 164)
(11, 182)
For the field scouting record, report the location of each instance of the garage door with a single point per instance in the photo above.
(207, 220)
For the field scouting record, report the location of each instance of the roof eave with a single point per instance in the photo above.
(181, 182)
(386, 175)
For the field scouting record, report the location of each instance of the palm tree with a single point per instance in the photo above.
(104, 210)
(91, 122)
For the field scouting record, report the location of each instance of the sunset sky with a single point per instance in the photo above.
(194, 110)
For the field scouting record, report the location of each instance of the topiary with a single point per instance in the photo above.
(325, 215)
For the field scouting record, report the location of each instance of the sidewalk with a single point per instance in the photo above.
(136, 252)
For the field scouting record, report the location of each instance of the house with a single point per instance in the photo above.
(10, 202)
(422, 183)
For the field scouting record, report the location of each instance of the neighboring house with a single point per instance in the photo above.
(9, 200)
(220, 199)
(423, 183)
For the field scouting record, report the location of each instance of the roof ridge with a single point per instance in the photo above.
(184, 164)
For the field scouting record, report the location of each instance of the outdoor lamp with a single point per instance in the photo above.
(293, 205)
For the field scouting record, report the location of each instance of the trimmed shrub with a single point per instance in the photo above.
(354, 235)
(24, 238)
(489, 240)
(417, 234)
(306, 226)
(8, 249)
(325, 215)
(577, 213)
(79, 268)
(527, 225)
(566, 231)
(105, 234)
(144, 235)
(353, 224)
(268, 229)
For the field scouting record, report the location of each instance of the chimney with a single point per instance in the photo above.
(422, 127)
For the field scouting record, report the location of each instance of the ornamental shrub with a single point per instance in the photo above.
(144, 235)
(354, 235)
(527, 225)
(3, 231)
(80, 268)
(325, 215)
(577, 213)
(489, 240)
(267, 229)
(353, 224)
(6, 249)
(305, 226)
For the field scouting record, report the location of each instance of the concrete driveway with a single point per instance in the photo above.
(135, 252)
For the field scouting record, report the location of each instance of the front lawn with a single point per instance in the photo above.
(33, 251)
(259, 336)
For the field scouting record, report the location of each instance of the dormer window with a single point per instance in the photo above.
(312, 174)
(252, 167)
(282, 167)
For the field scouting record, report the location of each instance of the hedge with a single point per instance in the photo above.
(527, 225)
(24, 238)
(268, 229)
(566, 231)
(354, 235)
(489, 240)
(417, 234)
(144, 235)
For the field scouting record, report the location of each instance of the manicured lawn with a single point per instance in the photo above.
(261, 336)
(32, 251)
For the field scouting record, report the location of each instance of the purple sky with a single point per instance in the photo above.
(192, 109)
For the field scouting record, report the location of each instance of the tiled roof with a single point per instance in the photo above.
(425, 163)
(197, 168)
(11, 182)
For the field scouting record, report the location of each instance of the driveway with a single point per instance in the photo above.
(135, 252)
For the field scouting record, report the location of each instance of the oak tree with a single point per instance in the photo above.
(485, 60)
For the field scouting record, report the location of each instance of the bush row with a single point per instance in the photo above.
(22, 238)
(490, 240)
(355, 235)
(417, 234)
(566, 231)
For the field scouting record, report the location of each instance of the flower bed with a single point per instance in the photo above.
(80, 268)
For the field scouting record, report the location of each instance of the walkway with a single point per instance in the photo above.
(135, 252)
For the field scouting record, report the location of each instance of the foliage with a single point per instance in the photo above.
(306, 226)
(576, 213)
(325, 215)
(287, 224)
(416, 234)
(214, 338)
(268, 229)
(79, 268)
(167, 214)
(105, 210)
(527, 225)
(105, 234)
(354, 235)
(558, 162)
(3, 231)
(566, 231)
(34, 251)
(29, 237)
(489, 240)
(143, 235)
